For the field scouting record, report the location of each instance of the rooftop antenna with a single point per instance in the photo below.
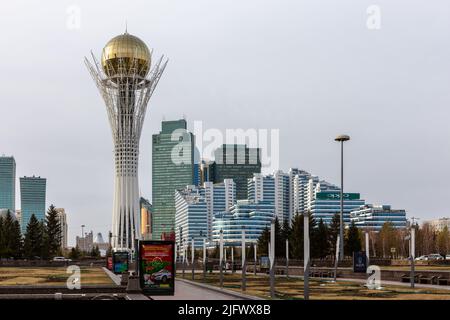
(126, 26)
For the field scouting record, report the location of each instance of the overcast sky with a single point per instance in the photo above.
(312, 69)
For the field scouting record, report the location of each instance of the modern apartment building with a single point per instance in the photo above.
(373, 217)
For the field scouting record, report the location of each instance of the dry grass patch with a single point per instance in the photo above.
(50, 276)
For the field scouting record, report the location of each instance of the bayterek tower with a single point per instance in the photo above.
(126, 80)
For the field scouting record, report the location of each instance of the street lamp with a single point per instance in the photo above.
(342, 138)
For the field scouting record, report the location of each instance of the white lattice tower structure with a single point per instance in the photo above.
(126, 87)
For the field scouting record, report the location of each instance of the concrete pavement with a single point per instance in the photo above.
(187, 291)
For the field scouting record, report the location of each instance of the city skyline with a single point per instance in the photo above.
(386, 115)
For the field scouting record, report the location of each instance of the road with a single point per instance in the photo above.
(186, 291)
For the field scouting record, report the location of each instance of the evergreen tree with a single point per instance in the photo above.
(45, 245)
(95, 252)
(7, 231)
(280, 244)
(352, 240)
(263, 242)
(16, 243)
(333, 232)
(33, 238)
(321, 242)
(75, 253)
(53, 231)
(2, 239)
(296, 237)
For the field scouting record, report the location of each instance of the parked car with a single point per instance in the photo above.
(447, 257)
(422, 258)
(435, 256)
(63, 259)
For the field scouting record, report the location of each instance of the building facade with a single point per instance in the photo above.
(172, 169)
(237, 162)
(326, 204)
(440, 224)
(196, 206)
(62, 218)
(274, 189)
(85, 243)
(8, 183)
(373, 217)
(32, 199)
(146, 219)
(245, 214)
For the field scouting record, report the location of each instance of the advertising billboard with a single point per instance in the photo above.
(109, 263)
(157, 267)
(332, 195)
(359, 262)
(120, 261)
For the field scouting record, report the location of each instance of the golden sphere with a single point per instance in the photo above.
(126, 55)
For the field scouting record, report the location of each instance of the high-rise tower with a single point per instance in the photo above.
(8, 183)
(126, 82)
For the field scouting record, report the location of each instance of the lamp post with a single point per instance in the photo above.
(193, 257)
(272, 259)
(342, 138)
(243, 260)
(221, 258)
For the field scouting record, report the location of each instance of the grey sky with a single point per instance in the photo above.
(310, 68)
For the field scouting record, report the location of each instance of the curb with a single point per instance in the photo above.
(226, 291)
(115, 278)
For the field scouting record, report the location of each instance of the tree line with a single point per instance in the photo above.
(42, 239)
(322, 237)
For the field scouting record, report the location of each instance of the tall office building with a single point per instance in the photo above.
(237, 162)
(32, 199)
(86, 242)
(172, 169)
(62, 219)
(8, 183)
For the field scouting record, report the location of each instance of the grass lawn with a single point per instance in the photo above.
(292, 289)
(51, 276)
(417, 267)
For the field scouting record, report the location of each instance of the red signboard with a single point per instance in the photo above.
(109, 263)
(156, 267)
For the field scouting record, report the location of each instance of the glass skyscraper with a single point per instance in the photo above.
(8, 183)
(172, 169)
(32, 199)
(237, 162)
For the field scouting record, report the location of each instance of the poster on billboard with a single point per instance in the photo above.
(109, 263)
(157, 267)
(359, 262)
(120, 262)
